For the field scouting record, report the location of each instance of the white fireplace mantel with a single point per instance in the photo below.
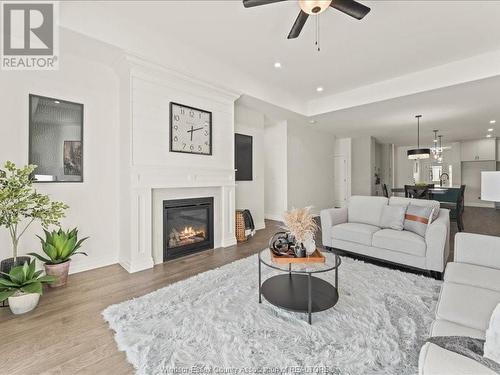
(149, 172)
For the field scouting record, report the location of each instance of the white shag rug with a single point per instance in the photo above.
(213, 323)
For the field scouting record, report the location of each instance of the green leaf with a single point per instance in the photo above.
(33, 288)
(69, 247)
(51, 251)
(80, 252)
(16, 274)
(31, 270)
(39, 257)
(8, 283)
(37, 273)
(47, 279)
(6, 294)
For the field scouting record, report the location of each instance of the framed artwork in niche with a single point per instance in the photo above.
(55, 139)
(190, 130)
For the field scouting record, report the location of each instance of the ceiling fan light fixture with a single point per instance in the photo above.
(313, 7)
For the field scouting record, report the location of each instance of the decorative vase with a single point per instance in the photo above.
(59, 271)
(23, 303)
(310, 246)
(299, 250)
(7, 264)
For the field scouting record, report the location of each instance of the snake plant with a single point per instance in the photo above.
(59, 246)
(23, 279)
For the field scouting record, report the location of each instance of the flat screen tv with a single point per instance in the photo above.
(243, 155)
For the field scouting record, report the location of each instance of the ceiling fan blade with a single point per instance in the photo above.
(298, 25)
(351, 8)
(256, 3)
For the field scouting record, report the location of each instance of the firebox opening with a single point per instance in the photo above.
(188, 226)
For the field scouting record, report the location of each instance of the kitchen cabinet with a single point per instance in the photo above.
(479, 150)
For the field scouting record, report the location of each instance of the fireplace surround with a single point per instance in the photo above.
(187, 226)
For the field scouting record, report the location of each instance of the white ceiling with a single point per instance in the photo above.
(459, 112)
(223, 42)
(394, 39)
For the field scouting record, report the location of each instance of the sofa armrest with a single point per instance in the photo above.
(437, 239)
(434, 360)
(477, 249)
(329, 218)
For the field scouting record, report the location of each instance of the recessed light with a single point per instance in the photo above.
(488, 136)
(277, 65)
(490, 129)
(493, 121)
(312, 121)
(57, 101)
(319, 89)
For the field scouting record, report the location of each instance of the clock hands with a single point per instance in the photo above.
(192, 131)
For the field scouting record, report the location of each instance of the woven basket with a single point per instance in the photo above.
(240, 227)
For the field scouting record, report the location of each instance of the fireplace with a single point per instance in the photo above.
(187, 226)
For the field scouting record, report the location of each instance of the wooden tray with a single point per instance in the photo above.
(316, 257)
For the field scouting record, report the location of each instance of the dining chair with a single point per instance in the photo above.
(385, 191)
(418, 192)
(453, 200)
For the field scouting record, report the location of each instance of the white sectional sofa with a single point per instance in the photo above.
(470, 292)
(356, 229)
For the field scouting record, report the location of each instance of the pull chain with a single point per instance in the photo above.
(317, 44)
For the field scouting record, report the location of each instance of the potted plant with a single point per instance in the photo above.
(59, 246)
(301, 225)
(22, 287)
(20, 206)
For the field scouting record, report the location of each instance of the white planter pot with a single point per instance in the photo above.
(23, 303)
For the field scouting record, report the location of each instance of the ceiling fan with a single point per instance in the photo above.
(315, 7)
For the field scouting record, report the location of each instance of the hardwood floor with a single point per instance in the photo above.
(66, 334)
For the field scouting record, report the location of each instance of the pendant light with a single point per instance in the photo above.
(440, 150)
(419, 153)
(434, 148)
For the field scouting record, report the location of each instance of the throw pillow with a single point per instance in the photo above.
(417, 218)
(401, 201)
(492, 344)
(393, 217)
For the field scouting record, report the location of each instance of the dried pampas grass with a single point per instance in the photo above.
(300, 223)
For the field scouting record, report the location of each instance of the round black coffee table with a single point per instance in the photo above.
(297, 289)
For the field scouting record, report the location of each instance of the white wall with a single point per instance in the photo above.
(275, 170)
(250, 194)
(93, 203)
(310, 167)
(471, 178)
(362, 165)
(342, 171)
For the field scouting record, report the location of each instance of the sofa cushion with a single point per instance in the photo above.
(442, 327)
(401, 201)
(393, 217)
(470, 274)
(354, 232)
(467, 305)
(365, 210)
(401, 241)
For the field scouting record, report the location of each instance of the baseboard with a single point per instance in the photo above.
(137, 266)
(261, 225)
(483, 205)
(229, 242)
(274, 217)
(90, 264)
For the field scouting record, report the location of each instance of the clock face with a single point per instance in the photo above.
(190, 130)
